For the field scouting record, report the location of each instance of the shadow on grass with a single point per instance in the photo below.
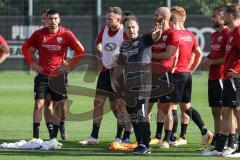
(73, 149)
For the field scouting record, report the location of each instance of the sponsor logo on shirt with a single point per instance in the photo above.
(131, 52)
(160, 45)
(215, 47)
(186, 38)
(110, 46)
(52, 47)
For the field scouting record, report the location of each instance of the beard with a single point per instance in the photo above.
(216, 25)
(226, 23)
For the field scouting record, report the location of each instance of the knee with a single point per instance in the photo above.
(216, 114)
(39, 105)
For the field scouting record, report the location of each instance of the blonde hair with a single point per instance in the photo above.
(179, 12)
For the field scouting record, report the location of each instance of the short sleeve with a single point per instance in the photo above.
(100, 36)
(3, 42)
(173, 39)
(33, 40)
(73, 42)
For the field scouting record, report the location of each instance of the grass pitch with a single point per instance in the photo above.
(16, 106)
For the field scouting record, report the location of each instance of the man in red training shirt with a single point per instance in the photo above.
(51, 43)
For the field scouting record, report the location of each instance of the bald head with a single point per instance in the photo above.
(164, 12)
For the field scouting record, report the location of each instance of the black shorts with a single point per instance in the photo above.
(166, 87)
(231, 93)
(182, 87)
(215, 88)
(104, 86)
(55, 86)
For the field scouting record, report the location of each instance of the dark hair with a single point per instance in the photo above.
(233, 9)
(52, 11)
(219, 8)
(116, 10)
(130, 18)
(127, 13)
(45, 10)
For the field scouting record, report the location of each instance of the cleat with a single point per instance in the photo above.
(118, 140)
(180, 142)
(165, 145)
(89, 140)
(155, 141)
(234, 154)
(228, 151)
(142, 150)
(126, 140)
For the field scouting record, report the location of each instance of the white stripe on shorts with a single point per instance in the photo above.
(143, 110)
(168, 81)
(233, 84)
(221, 83)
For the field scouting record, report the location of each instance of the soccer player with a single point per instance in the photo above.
(134, 61)
(51, 43)
(48, 102)
(48, 111)
(163, 53)
(231, 83)
(107, 44)
(4, 50)
(215, 61)
(182, 76)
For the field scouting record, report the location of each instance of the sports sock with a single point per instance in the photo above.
(175, 125)
(62, 123)
(214, 138)
(120, 128)
(95, 130)
(50, 129)
(159, 130)
(36, 130)
(195, 116)
(231, 140)
(126, 134)
(55, 130)
(220, 142)
(167, 135)
(183, 131)
(145, 133)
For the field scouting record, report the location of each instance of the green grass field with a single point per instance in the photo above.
(16, 106)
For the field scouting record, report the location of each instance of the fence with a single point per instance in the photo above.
(18, 20)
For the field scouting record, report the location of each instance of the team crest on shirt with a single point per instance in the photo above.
(44, 39)
(165, 38)
(220, 38)
(59, 39)
(110, 46)
(231, 38)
